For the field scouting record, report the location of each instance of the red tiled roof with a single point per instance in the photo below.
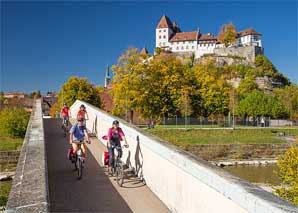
(164, 22)
(249, 31)
(144, 51)
(207, 36)
(185, 36)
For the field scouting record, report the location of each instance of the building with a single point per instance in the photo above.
(170, 37)
(14, 94)
(107, 78)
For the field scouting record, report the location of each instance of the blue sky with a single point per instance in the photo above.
(44, 43)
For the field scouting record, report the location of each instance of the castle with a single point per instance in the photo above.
(170, 37)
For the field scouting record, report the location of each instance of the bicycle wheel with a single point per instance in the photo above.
(119, 173)
(75, 162)
(80, 168)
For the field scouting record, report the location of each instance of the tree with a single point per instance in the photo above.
(288, 174)
(227, 34)
(247, 85)
(35, 94)
(257, 104)
(14, 121)
(77, 89)
(289, 96)
(264, 67)
(212, 90)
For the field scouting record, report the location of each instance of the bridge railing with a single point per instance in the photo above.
(185, 183)
(29, 191)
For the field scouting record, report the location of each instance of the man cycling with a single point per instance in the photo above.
(82, 113)
(77, 134)
(115, 135)
(65, 114)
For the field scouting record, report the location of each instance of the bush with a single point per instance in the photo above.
(288, 174)
(14, 121)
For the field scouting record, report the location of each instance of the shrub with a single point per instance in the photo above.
(14, 121)
(288, 174)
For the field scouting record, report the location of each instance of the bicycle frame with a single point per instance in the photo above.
(79, 160)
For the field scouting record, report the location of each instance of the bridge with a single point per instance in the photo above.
(160, 177)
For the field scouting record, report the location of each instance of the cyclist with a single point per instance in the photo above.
(115, 135)
(65, 114)
(77, 134)
(82, 113)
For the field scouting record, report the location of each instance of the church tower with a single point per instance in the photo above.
(107, 77)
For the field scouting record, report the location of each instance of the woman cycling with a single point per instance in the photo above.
(115, 135)
(82, 113)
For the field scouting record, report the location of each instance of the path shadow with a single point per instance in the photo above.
(94, 193)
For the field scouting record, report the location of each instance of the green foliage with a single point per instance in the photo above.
(35, 94)
(14, 121)
(227, 34)
(289, 96)
(264, 67)
(257, 104)
(212, 91)
(79, 89)
(288, 174)
(247, 85)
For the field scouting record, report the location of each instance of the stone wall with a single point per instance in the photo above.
(9, 156)
(215, 152)
(248, 52)
(8, 159)
(29, 191)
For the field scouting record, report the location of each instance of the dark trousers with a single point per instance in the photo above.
(111, 152)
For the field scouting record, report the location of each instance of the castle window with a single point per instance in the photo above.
(159, 43)
(164, 36)
(187, 47)
(177, 48)
(160, 31)
(182, 48)
(192, 47)
(164, 30)
(159, 37)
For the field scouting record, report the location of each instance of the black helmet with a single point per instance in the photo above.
(82, 106)
(64, 104)
(115, 122)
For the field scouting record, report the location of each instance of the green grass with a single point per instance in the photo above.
(222, 136)
(9, 143)
(4, 192)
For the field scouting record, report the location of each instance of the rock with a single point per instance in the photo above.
(6, 176)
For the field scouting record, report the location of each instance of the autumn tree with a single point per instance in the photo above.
(288, 174)
(212, 93)
(289, 96)
(227, 34)
(77, 89)
(247, 85)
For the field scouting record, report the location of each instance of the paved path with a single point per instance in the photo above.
(96, 192)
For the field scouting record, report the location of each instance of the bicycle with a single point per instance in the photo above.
(117, 166)
(78, 160)
(65, 126)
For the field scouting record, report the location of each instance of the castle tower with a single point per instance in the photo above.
(107, 77)
(164, 31)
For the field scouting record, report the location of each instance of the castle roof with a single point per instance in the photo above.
(164, 22)
(249, 31)
(207, 36)
(144, 51)
(185, 36)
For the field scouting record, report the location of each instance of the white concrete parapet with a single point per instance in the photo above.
(185, 183)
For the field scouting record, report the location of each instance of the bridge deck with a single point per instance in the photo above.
(96, 192)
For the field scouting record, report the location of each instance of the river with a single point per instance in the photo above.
(259, 174)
